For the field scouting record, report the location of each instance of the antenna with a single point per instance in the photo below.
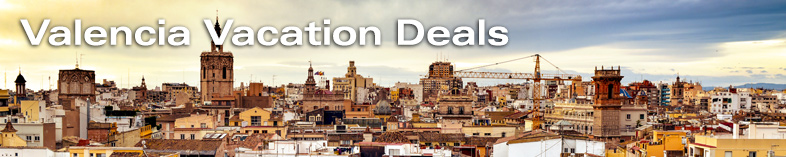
(76, 58)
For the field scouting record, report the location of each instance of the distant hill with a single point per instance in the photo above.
(774, 86)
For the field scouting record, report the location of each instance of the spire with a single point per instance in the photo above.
(20, 79)
(9, 127)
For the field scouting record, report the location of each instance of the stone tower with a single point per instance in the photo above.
(311, 85)
(607, 102)
(216, 74)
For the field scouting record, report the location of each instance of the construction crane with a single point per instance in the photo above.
(536, 78)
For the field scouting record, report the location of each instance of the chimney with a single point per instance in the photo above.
(736, 131)
(189, 107)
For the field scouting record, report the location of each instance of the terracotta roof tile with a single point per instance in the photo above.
(345, 137)
(178, 144)
(8, 128)
(441, 137)
(392, 137)
(126, 154)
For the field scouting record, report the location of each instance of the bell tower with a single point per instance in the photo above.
(20, 81)
(216, 72)
(608, 102)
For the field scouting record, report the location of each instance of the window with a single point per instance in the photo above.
(182, 136)
(76, 155)
(727, 154)
(224, 72)
(275, 123)
(265, 123)
(641, 116)
(193, 137)
(628, 116)
(503, 134)
(450, 110)
(256, 120)
(203, 125)
(346, 142)
(610, 91)
(456, 144)
(37, 138)
(752, 154)
(475, 134)
(192, 126)
(487, 134)
(393, 152)
(264, 131)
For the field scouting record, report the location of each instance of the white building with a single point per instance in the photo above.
(728, 102)
(539, 143)
(293, 148)
(26, 151)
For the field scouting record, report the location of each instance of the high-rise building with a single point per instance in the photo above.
(608, 102)
(439, 80)
(216, 71)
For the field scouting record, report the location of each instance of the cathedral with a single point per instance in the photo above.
(216, 73)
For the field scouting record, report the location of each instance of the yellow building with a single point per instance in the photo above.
(9, 137)
(104, 151)
(489, 131)
(669, 142)
(30, 109)
(759, 141)
(146, 132)
(189, 127)
(258, 120)
(351, 82)
(394, 95)
(4, 96)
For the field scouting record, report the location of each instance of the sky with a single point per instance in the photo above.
(717, 43)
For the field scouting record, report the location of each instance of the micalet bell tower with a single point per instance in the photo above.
(216, 72)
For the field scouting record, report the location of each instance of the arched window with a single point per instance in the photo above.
(450, 110)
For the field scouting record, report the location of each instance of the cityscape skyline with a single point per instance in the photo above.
(710, 46)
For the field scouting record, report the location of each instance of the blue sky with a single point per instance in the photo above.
(718, 43)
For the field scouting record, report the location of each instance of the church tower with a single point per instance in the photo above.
(311, 85)
(216, 72)
(20, 81)
(608, 102)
